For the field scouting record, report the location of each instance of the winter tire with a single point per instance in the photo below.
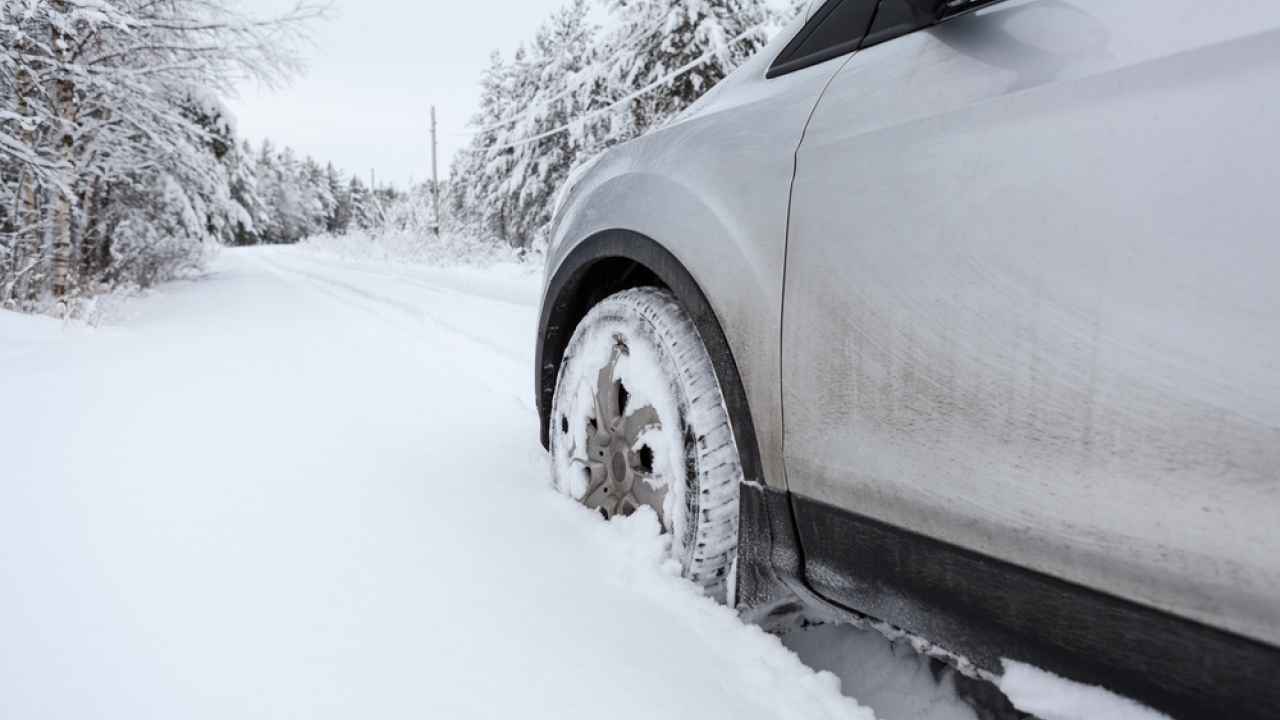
(638, 420)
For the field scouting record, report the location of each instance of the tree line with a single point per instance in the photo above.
(602, 86)
(286, 199)
(118, 161)
(119, 164)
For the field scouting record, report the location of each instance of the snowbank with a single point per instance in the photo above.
(416, 247)
(1050, 697)
(307, 488)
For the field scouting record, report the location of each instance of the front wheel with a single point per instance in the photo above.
(638, 420)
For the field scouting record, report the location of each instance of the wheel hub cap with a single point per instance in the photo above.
(619, 479)
(619, 468)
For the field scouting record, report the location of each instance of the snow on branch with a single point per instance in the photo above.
(577, 90)
(112, 135)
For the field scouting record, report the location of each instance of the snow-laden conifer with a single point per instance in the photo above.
(569, 95)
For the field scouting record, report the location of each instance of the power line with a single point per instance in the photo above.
(635, 40)
(687, 67)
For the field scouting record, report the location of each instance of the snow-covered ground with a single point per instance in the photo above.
(311, 487)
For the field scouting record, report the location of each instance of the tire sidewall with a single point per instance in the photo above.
(651, 319)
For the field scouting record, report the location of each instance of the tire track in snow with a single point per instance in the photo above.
(329, 262)
(445, 292)
(413, 311)
(294, 280)
(361, 299)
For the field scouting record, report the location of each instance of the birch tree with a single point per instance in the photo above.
(109, 109)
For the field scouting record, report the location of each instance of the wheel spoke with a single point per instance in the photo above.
(598, 478)
(573, 453)
(610, 432)
(607, 409)
(643, 493)
(597, 448)
(626, 506)
(638, 421)
(593, 453)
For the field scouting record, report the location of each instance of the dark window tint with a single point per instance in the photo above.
(899, 17)
(835, 29)
(896, 18)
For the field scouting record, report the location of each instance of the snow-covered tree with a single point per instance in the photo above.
(794, 8)
(283, 200)
(320, 201)
(505, 182)
(574, 91)
(339, 216)
(363, 213)
(476, 170)
(708, 37)
(282, 184)
(565, 57)
(108, 112)
(243, 178)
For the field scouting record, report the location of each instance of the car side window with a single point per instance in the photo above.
(835, 29)
(896, 18)
(842, 26)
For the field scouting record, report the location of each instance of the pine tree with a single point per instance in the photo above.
(363, 215)
(717, 35)
(252, 213)
(291, 204)
(557, 78)
(477, 171)
(504, 184)
(318, 200)
(339, 218)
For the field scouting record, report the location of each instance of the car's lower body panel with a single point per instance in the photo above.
(985, 610)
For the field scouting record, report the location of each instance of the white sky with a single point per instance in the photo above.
(374, 71)
(376, 68)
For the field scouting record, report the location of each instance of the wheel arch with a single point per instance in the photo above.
(614, 260)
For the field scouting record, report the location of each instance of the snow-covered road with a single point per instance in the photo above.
(304, 487)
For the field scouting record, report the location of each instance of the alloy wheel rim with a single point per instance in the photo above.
(618, 465)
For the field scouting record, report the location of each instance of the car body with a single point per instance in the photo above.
(995, 299)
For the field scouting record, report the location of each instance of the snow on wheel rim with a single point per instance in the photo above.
(611, 444)
(638, 421)
(616, 412)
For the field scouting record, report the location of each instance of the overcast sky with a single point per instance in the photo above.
(376, 68)
(374, 71)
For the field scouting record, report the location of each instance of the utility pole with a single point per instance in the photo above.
(435, 178)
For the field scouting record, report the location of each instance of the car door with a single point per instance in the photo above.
(1031, 306)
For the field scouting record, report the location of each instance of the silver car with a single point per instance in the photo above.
(961, 316)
